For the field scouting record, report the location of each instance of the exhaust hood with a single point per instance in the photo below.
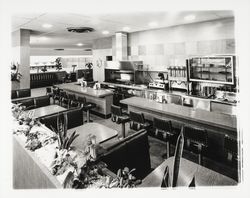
(121, 48)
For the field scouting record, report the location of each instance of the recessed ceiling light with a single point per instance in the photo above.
(79, 44)
(46, 25)
(153, 24)
(126, 28)
(105, 32)
(189, 17)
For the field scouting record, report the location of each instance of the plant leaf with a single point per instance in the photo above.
(177, 157)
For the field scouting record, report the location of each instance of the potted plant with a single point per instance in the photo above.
(89, 65)
(15, 74)
(58, 64)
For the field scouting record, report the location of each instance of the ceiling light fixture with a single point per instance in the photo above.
(105, 32)
(190, 17)
(126, 28)
(46, 25)
(153, 24)
(79, 44)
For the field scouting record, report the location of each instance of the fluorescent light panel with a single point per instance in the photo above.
(47, 25)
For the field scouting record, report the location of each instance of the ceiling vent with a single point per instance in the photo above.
(59, 49)
(80, 29)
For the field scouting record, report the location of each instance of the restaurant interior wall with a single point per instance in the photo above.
(171, 46)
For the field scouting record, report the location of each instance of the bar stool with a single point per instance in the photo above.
(55, 95)
(119, 117)
(231, 149)
(49, 91)
(87, 106)
(198, 138)
(165, 128)
(137, 121)
(72, 100)
(64, 99)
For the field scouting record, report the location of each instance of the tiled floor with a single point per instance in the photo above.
(157, 147)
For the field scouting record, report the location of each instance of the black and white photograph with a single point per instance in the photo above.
(126, 97)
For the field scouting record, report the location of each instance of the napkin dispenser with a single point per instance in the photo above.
(97, 86)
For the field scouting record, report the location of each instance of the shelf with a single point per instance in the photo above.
(205, 68)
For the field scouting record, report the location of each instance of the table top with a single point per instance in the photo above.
(47, 110)
(101, 132)
(100, 93)
(206, 117)
(188, 169)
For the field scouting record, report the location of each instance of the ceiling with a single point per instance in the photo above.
(57, 36)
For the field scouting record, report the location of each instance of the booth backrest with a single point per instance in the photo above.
(42, 101)
(21, 93)
(75, 117)
(50, 122)
(36, 102)
(138, 155)
(131, 152)
(28, 103)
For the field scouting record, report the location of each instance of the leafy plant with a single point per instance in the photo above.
(177, 157)
(89, 65)
(15, 74)
(64, 142)
(124, 179)
(58, 64)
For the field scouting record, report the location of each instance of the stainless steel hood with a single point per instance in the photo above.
(124, 65)
(121, 61)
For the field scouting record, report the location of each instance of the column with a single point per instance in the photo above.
(21, 55)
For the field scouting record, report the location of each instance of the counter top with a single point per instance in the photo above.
(73, 87)
(137, 87)
(182, 94)
(198, 115)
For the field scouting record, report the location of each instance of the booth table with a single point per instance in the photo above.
(101, 132)
(47, 110)
(188, 170)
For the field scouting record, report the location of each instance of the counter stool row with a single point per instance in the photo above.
(196, 139)
(70, 100)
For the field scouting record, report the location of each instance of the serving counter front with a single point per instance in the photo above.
(102, 98)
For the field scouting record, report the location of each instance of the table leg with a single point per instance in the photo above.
(123, 129)
(88, 117)
(168, 150)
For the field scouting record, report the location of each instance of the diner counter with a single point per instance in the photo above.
(74, 87)
(102, 98)
(181, 113)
